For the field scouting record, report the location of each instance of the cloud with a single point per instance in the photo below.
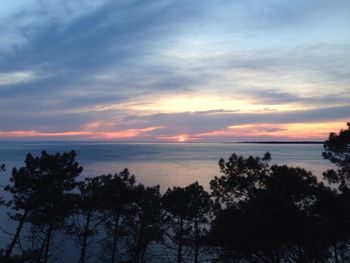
(197, 123)
(91, 135)
(16, 77)
(194, 68)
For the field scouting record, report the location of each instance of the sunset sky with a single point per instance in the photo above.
(235, 70)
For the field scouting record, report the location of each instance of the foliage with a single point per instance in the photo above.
(186, 212)
(41, 194)
(240, 179)
(143, 223)
(276, 214)
(88, 213)
(337, 151)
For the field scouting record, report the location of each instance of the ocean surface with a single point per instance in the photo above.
(166, 164)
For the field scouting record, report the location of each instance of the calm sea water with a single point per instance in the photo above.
(167, 164)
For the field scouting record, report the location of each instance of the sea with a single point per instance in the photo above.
(164, 164)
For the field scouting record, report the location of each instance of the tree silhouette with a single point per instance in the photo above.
(174, 203)
(2, 169)
(118, 199)
(2, 202)
(240, 179)
(40, 194)
(200, 207)
(337, 212)
(89, 203)
(331, 212)
(266, 212)
(186, 212)
(337, 151)
(144, 222)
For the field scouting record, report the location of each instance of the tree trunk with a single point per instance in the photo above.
(335, 252)
(300, 253)
(85, 237)
(278, 257)
(115, 238)
(272, 257)
(15, 238)
(196, 244)
(143, 254)
(42, 248)
(47, 246)
(138, 252)
(179, 249)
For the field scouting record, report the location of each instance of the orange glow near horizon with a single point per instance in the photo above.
(292, 131)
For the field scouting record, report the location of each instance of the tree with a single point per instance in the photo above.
(186, 210)
(331, 211)
(337, 151)
(118, 199)
(144, 222)
(89, 203)
(240, 179)
(2, 169)
(174, 203)
(40, 193)
(266, 212)
(200, 207)
(337, 212)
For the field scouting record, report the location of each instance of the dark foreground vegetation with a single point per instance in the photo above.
(255, 212)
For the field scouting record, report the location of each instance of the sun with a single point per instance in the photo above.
(182, 138)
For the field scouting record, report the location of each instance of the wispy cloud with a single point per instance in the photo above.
(16, 77)
(92, 135)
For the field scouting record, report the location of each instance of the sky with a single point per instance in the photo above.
(174, 70)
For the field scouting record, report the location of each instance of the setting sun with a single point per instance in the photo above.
(182, 138)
